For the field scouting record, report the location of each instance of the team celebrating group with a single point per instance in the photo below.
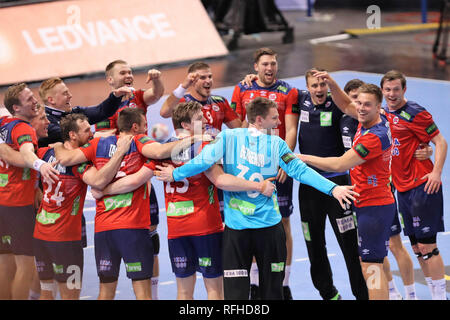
(228, 192)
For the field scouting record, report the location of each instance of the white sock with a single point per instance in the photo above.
(430, 286)
(287, 273)
(410, 292)
(155, 281)
(32, 295)
(254, 274)
(394, 294)
(440, 287)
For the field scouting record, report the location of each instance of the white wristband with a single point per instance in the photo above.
(37, 164)
(179, 92)
(1, 141)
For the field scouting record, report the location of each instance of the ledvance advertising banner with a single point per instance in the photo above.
(67, 38)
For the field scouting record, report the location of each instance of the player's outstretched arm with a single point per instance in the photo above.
(344, 194)
(68, 157)
(47, 170)
(343, 163)
(11, 156)
(126, 184)
(229, 182)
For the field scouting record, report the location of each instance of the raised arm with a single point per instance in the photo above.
(175, 96)
(340, 98)
(155, 92)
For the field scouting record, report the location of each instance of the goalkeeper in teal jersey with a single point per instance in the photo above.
(253, 221)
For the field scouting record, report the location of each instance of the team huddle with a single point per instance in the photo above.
(228, 191)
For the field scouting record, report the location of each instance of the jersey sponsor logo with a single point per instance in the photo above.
(181, 208)
(395, 120)
(145, 139)
(304, 116)
(431, 129)
(112, 150)
(273, 96)
(372, 180)
(3, 179)
(45, 217)
(204, 262)
(345, 224)
(82, 168)
(288, 157)
(233, 106)
(252, 157)
(180, 262)
(58, 268)
(347, 141)
(133, 266)
(103, 124)
(238, 273)
(282, 89)
(105, 265)
(24, 138)
(6, 240)
(405, 115)
(246, 208)
(277, 267)
(75, 206)
(118, 201)
(362, 151)
(215, 107)
(326, 119)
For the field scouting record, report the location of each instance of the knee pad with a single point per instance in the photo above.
(156, 244)
(428, 255)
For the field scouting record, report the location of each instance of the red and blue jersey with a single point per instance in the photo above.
(17, 185)
(59, 217)
(135, 101)
(122, 211)
(372, 178)
(192, 206)
(410, 126)
(281, 92)
(216, 111)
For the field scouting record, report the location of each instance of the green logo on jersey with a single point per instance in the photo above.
(275, 203)
(6, 240)
(288, 157)
(45, 217)
(362, 151)
(181, 208)
(204, 262)
(75, 207)
(3, 179)
(432, 128)
(233, 106)
(277, 267)
(405, 115)
(145, 139)
(326, 119)
(26, 174)
(133, 266)
(58, 268)
(218, 98)
(211, 194)
(103, 124)
(246, 208)
(24, 138)
(305, 228)
(282, 89)
(119, 201)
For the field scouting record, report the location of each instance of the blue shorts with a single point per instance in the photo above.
(423, 214)
(154, 208)
(284, 197)
(59, 260)
(374, 230)
(197, 253)
(134, 246)
(18, 227)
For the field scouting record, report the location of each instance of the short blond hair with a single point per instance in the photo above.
(46, 86)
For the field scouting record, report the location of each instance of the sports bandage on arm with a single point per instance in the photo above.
(179, 92)
(37, 164)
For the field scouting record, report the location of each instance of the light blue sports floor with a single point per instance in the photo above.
(434, 95)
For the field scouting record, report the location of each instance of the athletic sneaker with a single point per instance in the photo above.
(394, 295)
(287, 293)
